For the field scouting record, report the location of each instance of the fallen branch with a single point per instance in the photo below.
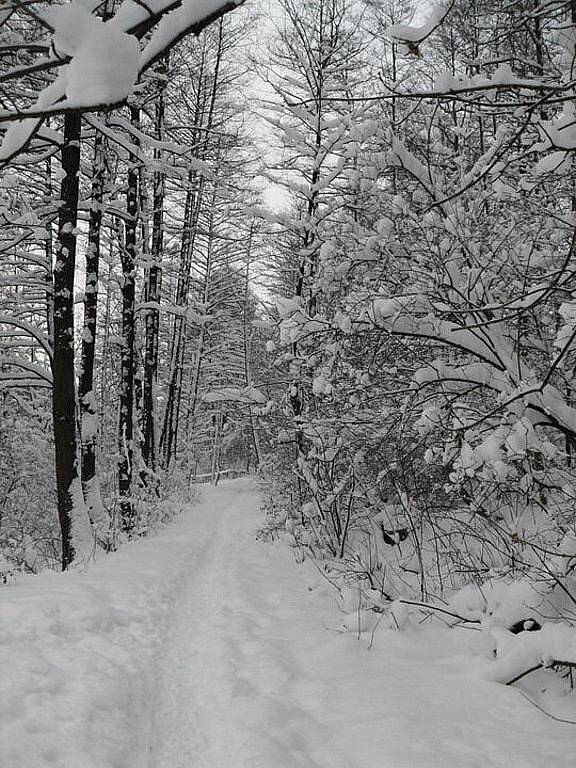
(542, 665)
(437, 608)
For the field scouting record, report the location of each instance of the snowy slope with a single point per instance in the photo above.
(204, 648)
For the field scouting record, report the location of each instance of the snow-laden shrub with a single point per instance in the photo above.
(29, 536)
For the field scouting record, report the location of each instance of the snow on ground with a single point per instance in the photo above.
(205, 648)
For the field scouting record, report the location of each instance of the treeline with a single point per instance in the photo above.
(428, 333)
(413, 417)
(127, 251)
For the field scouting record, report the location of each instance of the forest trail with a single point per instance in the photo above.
(258, 672)
(200, 646)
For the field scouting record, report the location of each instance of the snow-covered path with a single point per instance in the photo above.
(253, 678)
(205, 648)
(235, 688)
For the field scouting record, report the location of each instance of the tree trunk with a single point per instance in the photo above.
(126, 420)
(49, 252)
(169, 436)
(152, 299)
(194, 202)
(89, 419)
(74, 525)
(199, 351)
(247, 369)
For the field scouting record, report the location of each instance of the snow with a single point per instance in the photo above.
(409, 33)
(518, 653)
(247, 395)
(103, 68)
(105, 60)
(501, 368)
(133, 12)
(203, 646)
(81, 533)
(175, 23)
(19, 132)
(400, 156)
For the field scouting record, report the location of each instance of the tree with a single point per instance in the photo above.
(432, 352)
(210, 236)
(152, 294)
(59, 86)
(71, 509)
(318, 69)
(86, 383)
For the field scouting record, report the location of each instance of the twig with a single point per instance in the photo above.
(523, 674)
(429, 607)
(548, 665)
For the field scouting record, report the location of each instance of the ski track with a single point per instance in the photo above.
(249, 675)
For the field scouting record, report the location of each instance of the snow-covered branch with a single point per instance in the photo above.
(99, 61)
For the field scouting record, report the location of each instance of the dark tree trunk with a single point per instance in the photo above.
(64, 394)
(152, 299)
(49, 252)
(86, 393)
(126, 420)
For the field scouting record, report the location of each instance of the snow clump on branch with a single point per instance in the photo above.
(105, 60)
